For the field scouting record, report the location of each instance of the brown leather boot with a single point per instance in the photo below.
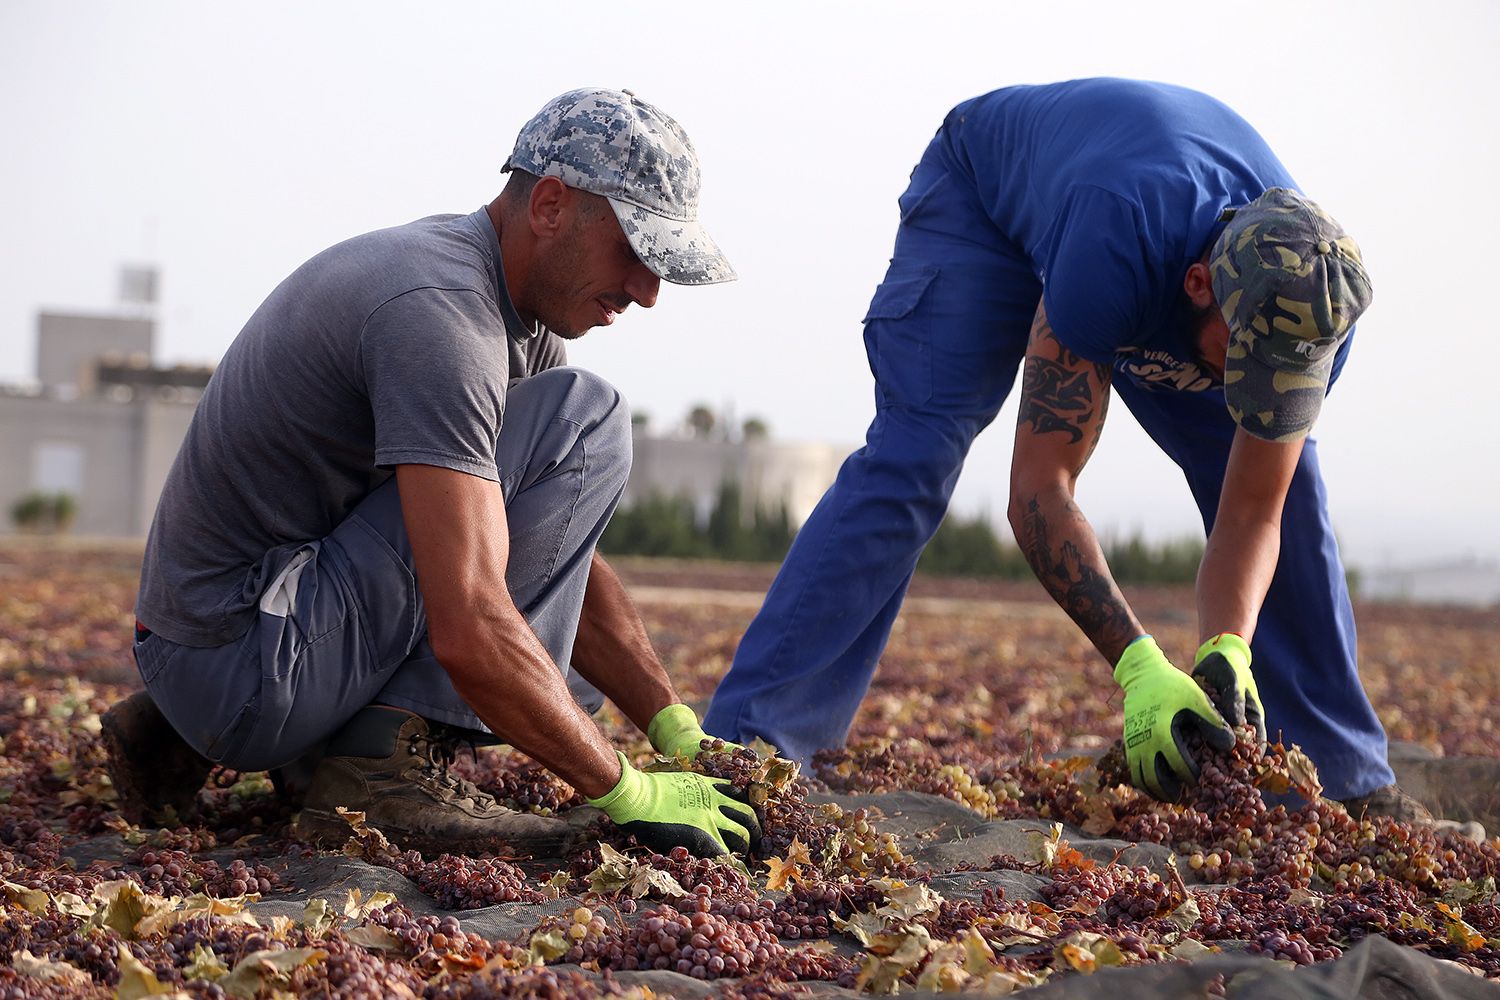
(1390, 800)
(390, 765)
(155, 773)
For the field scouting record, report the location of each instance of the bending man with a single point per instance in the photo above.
(1110, 234)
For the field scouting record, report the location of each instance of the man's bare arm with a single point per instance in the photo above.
(460, 545)
(1245, 543)
(614, 653)
(1064, 399)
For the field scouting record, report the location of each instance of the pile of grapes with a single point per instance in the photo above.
(90, 905)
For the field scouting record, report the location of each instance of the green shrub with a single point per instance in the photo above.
(44, 513)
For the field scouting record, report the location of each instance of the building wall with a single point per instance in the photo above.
(769, 472)
(69, 344)
(112, 445)
(126, 448)
(1468, 582)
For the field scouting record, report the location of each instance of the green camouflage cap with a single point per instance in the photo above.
(612, 143)
(1290, 283)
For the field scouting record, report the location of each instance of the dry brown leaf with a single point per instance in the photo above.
(38, 967)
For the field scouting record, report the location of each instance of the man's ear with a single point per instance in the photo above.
(1199, 285)
(550, 198)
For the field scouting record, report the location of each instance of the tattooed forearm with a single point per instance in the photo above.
(1055, 399)
(1076, 577)
(1061, 391)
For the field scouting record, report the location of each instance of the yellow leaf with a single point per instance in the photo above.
(267, 968)
(893, 956)
(30, 900)
(367, 842)
(1460, 932)
(943, 973)
(356, 907)
(1186, 915)
(762, 748)
(1044, 844)
(1099, 816)
(548, 946)
(863, 927)
(905, 902)
(317, 916)
(136, 980)
(1078, 959)
(35, 967)
(1086, 952)
(165, 916)
(979, 957)
(555, 886)
(375, 938)
(1190, 950)
(121, 905)
(73, 905)
(205, 965)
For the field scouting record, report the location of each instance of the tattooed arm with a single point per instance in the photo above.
(1063, 403)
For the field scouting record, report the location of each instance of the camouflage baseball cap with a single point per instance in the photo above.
(614, 144)
(1290, 283)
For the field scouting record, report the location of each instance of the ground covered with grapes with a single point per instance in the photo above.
(972, 837)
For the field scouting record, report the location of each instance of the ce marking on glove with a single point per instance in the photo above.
(694, 796)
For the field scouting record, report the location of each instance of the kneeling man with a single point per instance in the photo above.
(378, 539)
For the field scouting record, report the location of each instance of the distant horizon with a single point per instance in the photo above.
(140, 137)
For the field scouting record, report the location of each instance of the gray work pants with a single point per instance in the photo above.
(342, 624)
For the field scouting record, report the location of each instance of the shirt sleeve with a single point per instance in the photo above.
(436, 368)
(1095, 267)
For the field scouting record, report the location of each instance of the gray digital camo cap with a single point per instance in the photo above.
(612, 143)
(1290, 283)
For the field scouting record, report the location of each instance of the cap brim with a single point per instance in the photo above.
(1271, 403)
(676, 251)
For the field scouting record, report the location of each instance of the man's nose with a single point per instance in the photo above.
(642, 286)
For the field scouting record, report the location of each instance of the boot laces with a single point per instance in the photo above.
(439, 753)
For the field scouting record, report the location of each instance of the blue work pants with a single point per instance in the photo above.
(945, 334)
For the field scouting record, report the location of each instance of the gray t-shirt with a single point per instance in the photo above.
(393, 347)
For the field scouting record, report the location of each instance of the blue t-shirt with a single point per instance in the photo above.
(1112, 188)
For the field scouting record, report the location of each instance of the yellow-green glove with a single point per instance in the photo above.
(1162, 705)
(1223, 663)
(664, 809)
(675, 732)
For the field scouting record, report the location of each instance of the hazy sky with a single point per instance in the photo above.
(229, 142)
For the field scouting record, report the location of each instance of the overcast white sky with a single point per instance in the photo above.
(228, 142)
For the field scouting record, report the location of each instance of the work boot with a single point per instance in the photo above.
(1390, 800)
(154, 772)
(392, 766)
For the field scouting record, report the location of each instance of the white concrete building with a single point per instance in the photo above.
(1468, 582)
(769, 473)
(103, 425)
(99, 424)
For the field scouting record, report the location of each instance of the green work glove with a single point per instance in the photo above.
(1223, 663)
(675, 732)
(1162, 705)
(666, 808)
